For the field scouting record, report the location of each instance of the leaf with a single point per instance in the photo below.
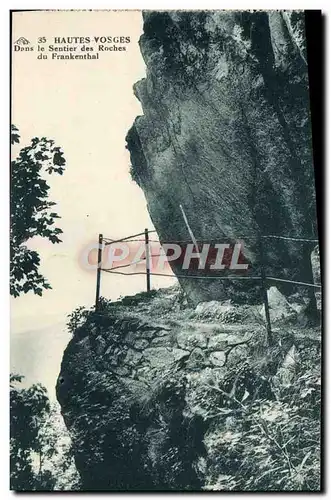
(245, 396)
(15, 137)
(58, 159)
(304, 460)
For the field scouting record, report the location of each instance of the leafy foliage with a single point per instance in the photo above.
(83, 316)
(15, 136)
(266, 435)
(28, 410)
(39, 456)
(78, 318)
(31, 211)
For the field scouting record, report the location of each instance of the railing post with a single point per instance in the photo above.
(148, 269)
(97, 295)
(265, 292)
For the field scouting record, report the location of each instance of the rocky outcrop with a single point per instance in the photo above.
(123, 391)
(226, 134)
(279, 308)
(141, 387)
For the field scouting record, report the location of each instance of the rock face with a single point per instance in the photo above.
(126, 406)
(226, 134)
(142, 387)
(133, 397)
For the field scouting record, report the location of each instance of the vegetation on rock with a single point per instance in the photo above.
(160, 396)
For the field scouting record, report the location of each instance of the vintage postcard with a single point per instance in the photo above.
(165, 283)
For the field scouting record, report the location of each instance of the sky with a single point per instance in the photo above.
(86, 107)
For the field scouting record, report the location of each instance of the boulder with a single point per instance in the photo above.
(279, 308)
(218, 122)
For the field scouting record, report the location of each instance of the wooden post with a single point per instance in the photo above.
(97, 295)
(265, 292)
(148, 266)
(189, 229)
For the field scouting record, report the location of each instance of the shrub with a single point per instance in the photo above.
(269, 438)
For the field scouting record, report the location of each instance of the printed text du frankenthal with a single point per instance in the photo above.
(81, 48)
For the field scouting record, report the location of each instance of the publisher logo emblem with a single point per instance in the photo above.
(22, 41)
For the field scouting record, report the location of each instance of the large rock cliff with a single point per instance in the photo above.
(226, 134)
